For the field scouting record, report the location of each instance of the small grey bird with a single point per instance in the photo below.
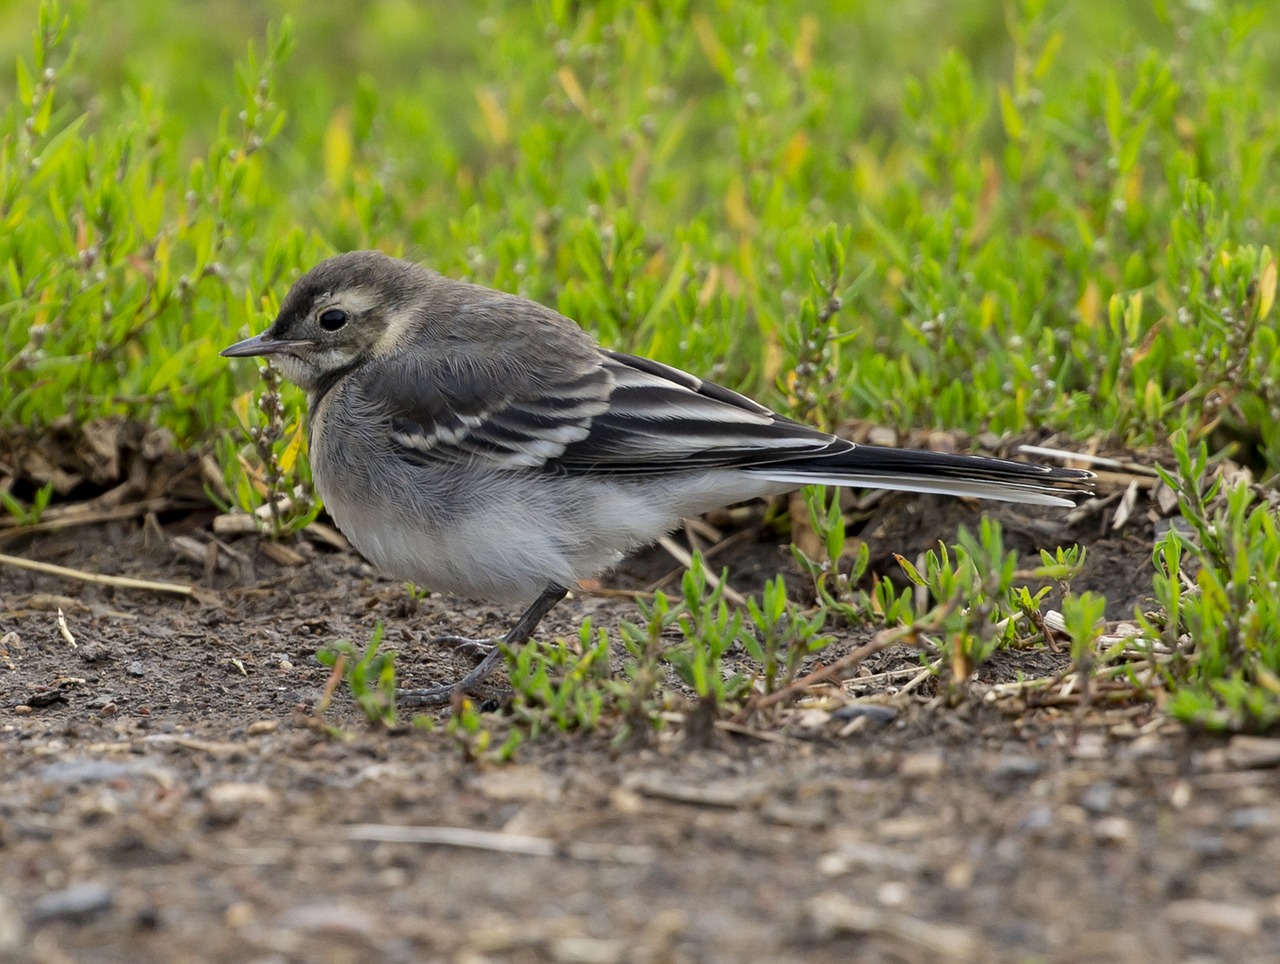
(475, 442)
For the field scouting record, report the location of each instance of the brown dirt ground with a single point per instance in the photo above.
(167, 796)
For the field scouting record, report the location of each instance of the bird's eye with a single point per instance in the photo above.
(331, 319)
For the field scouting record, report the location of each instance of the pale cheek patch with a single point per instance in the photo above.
(398, 323)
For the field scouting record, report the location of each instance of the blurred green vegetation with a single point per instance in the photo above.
(1059, 208)
(965, 214)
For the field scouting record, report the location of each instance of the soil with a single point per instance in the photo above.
(168, 794)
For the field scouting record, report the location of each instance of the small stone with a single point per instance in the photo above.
(1098, 797)
(82, 771)
(238, 915)
(926, 764)
(588, 950)
(516, 784)
(959, 876)
(832, 915)
(330, 919)
(1114, 830)
(1215, 915)
(626, 801)
(809, 720)
(259, 727)
(882, 435)
(12, 933)
(789, 815)
(1090, 746)
(893, 893)
(76, 903)
(227, 802)
(875, 712)
(1205, 844)
(1253, 752)
(1252, 818)
(1011, 766)
(858, 854)
(1180, 795)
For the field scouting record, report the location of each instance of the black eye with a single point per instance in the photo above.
(331, 319)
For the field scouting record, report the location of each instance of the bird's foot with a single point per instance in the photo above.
(488, 648)
(440, 695)
(467, 646)
(428, 696)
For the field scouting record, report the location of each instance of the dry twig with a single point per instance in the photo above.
(120, 582)
(504, 843)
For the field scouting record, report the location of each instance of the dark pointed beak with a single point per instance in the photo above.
(261, 344)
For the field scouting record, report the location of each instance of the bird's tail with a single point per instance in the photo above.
(940, 473)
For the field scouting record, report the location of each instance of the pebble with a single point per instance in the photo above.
(517, 784)
(588, 950)
(330, 919)
(1215, 915)
(1114, 830)
(925, 764)
(856, 854)
(893, 893)
(831, 915)
(1203, 843)
(1015, 765)
(876, 712)
(1090, 746)
(76, 771)
(1255, 818)
(12, 933)
(1253, 752)
(79, 902)
(1099, 797)
(227, 802)
(1036, 819)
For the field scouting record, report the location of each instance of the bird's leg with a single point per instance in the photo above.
(520, 633)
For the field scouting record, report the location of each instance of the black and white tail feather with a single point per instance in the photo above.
(726, 429)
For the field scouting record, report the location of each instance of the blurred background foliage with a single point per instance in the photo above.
(964, 214)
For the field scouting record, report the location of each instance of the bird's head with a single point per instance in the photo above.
(341, 313)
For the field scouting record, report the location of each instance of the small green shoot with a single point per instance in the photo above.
(369, 674)
(837, 578)
(780, 637)
(709, 629)
(558, 685)
(1218, 586)
(22, 513)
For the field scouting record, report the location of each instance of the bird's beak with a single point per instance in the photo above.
(262, 344)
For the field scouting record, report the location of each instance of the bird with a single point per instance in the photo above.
(478, 443)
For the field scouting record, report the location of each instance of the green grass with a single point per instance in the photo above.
(1019, 215)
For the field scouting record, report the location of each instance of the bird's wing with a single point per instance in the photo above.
(662, 419)
(612, 413)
